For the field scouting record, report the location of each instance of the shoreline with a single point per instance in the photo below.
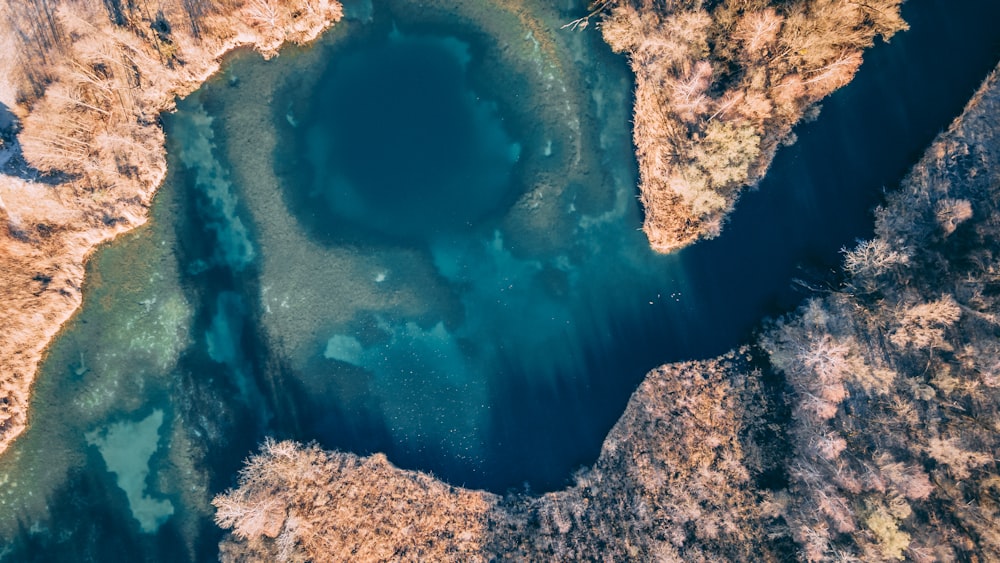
(717, 92)
(49, 232)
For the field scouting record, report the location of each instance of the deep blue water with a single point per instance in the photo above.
(416, 154)
(431, 317)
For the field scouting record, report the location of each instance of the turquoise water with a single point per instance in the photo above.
(422, 237)
(417, 154)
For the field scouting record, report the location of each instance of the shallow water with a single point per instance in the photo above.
(484, 315)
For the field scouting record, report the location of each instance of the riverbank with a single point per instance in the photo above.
(883, 452)
(88, 86)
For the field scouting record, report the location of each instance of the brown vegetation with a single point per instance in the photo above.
(304, 504)
(719, 86)
(88, 81)
(675, 480)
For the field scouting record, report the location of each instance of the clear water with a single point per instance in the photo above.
(417, 239)
(416, 154)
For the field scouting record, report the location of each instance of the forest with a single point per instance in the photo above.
(83, 151)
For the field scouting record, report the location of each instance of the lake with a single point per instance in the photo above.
(421, 237)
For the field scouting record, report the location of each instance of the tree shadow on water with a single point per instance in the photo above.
(12, 162)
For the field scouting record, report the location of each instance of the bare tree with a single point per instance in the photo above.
(38, 39)
(758, 32)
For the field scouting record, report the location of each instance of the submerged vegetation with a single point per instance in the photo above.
(881, 448)
(719, 86)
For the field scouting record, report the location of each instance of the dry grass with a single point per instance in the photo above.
(300, 503)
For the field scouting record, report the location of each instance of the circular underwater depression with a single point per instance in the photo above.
(394, 140)
(417, 145)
